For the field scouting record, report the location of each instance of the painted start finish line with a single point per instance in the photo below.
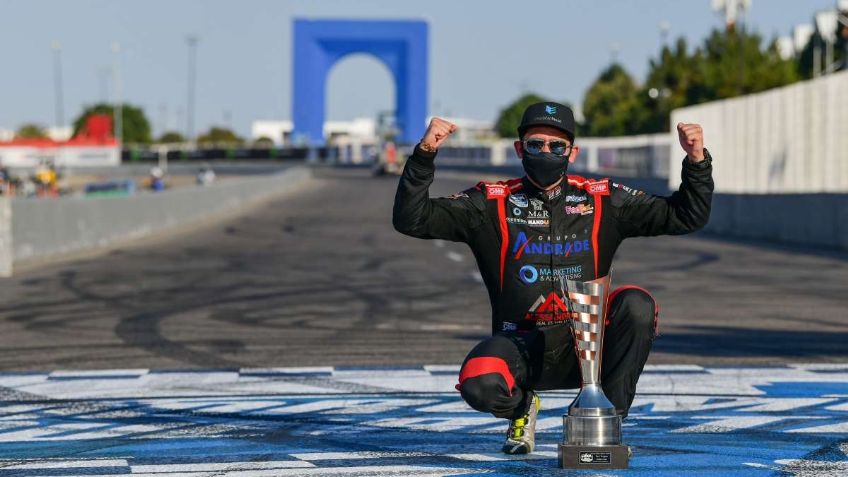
(686, 420)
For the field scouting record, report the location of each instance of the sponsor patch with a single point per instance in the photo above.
(627, 189)
(530, 274)
(507, 326)
(519, 200)
(458, 195)
(598, 187)
(554, 193)
(539, 222)
(580, 209)
(495, 191)
(548, 245)
(547, 310)
(576, 198)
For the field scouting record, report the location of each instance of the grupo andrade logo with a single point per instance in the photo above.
(548, 245)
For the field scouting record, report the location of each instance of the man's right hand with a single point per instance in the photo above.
(437, 133)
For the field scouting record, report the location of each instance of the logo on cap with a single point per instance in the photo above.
(550, 109)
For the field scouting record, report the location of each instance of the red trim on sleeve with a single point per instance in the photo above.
(486, 365)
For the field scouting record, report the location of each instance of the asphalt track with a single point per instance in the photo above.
(197, 344)
(321, 278)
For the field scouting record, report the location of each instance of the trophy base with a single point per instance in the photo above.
(593, 457)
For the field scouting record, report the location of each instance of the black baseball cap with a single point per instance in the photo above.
(550, 114)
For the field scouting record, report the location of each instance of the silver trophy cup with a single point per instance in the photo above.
(592, 429)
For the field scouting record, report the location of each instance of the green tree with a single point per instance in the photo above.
(674, 80)
(734, 63)
(219, 135)
(263, 141)
(31, 131)
(510, 117)
(135, 126)
(170, 137)
(611, 106)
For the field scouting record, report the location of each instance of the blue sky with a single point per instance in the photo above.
(483, 54)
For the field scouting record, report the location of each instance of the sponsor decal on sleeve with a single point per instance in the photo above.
(495, 191)
(627, 189)
(598, 187)
(458, 195)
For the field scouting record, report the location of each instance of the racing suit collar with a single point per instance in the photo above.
(546, 195)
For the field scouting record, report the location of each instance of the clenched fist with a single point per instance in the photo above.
(691, 140)
(437, 132)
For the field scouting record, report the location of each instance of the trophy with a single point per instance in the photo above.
(592, 429)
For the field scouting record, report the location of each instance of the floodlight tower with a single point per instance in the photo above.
(733, 10)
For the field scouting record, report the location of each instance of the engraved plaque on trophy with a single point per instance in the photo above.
(592, 429)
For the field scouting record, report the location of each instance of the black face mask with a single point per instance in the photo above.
(544, 168)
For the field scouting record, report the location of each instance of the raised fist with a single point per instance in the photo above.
(691, 140)
(437, 132)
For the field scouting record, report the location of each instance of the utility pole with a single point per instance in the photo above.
(191, 41)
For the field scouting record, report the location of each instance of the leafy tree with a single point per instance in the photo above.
(510, 117)
(734, 64)
(31, 131)
(674, 80)
(219, 135)
(263, 141)
(612, 106)
(135, 126)
(171, 137)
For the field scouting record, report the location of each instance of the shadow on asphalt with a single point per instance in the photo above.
(752, 342)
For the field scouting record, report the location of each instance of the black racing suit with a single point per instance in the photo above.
(524, 239)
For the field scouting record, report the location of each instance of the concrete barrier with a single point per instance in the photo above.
(815, 220)
(41, 229)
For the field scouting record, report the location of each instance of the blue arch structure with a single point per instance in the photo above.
(400, 44)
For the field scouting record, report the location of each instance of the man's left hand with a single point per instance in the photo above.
(691, 137)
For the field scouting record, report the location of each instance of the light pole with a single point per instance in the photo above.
(191, 40)
(118, 113)
(733, 9)
(665, 27)
(615, 49)
(57, 80)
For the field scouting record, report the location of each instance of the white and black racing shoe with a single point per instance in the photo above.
(521, 435)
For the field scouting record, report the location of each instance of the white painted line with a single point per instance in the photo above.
(673, 367)
(319, 456)
(479, 457)
(293, 370)
(442, 368)
(62, 464)
(220, 466)
(129, 373)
